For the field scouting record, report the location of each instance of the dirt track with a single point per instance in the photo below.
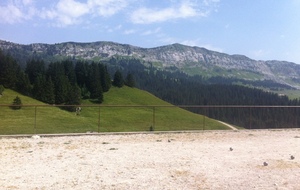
(154, 161)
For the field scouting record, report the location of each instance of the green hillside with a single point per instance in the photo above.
(123, 109)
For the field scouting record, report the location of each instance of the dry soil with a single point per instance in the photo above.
(191, 160)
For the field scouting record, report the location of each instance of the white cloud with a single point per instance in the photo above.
(185, 9)
(132, 31)
(71, 8)
(113, 29)
(149, 32)
(166, 39)
(118, 27)
(10, 14)
(60, 12)
(70, 12)
(66, 12)
(16, 11)
(27, 2)
(209, 2)
(145, 16)
(106, 7)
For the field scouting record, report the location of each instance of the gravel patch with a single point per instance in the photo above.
(245, 159)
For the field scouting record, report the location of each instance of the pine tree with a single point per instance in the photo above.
(8, 71)
(38, 88)
(61, 82)
(17, 103)
(70, 71)
(85, 93)
(118, 79)
(94, 84)
(23, 84)
(49, 91)
(34, 68)
(73, 97)
(129, 81)
(105, 78)
(81, 71)
(61, 89)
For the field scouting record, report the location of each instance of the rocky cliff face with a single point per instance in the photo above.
(192, 60)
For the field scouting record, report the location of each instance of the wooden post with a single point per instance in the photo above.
(250, 118)
(203, 127)
(99, 120)
(153, 119)
(35, 120)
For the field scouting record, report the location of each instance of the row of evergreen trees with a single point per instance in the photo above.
(180, 89)
(65, 82)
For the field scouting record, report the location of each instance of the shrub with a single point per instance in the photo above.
(17, 103)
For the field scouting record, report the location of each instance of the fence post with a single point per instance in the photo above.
(99, 120)
(204, 115)
(296, 118)
(250, 118)
(153, 119)
(35, 120)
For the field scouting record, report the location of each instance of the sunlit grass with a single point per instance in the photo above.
(123, 109)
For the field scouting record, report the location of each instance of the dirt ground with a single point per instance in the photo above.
(192, 160)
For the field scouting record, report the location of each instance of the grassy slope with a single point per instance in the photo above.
(292, 94)
(54, 120)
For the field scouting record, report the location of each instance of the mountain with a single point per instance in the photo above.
(175, 57)
(159, 71)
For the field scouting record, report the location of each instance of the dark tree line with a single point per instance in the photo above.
(181, 89)
(65, 82)
(12, 76)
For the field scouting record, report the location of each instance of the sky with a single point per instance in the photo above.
(258, 29)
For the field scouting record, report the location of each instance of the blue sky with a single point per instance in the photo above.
(259, 29)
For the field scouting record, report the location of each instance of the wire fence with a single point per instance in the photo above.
(92, 118)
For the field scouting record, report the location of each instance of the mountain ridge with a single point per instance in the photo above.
(192, 60)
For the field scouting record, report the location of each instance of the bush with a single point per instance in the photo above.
(17, 103)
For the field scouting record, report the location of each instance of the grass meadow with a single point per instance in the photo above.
(123, 110)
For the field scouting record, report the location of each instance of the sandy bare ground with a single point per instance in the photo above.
(199, 160)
